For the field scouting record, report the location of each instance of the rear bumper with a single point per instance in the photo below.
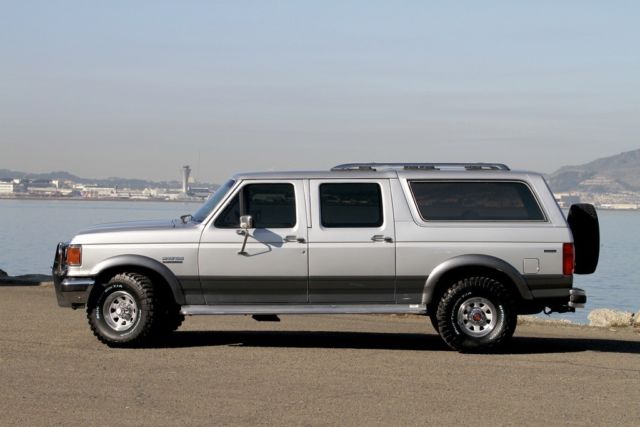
(577, 298)
(556, 293)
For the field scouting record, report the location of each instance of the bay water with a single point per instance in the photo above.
(30, 230)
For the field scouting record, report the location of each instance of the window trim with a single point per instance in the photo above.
(545, 218)
(381, 205)
(240, 188)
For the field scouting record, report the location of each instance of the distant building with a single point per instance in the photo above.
(567, 200)
(7, 188)
(186, 171)
(95, 192)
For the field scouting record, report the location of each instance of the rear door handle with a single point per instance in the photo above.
(294, 239)
(381, 238)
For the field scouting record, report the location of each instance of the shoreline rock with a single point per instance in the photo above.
(25, 279)
(607, 318)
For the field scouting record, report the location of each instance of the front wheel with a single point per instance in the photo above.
(124, 311)
(476, 314)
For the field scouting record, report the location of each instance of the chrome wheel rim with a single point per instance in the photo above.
(120, 311)
(477, 317)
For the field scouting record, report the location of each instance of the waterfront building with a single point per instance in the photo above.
(7, 187)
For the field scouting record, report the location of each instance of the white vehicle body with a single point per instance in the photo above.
(402, 263)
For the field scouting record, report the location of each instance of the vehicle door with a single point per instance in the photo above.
(351, 241)
(273, 267)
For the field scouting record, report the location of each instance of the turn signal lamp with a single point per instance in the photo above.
(568, 259)
(74, 255)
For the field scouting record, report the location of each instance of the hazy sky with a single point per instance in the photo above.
(139, 88)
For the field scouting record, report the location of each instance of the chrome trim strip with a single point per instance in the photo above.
(190, 310)
(71, 283)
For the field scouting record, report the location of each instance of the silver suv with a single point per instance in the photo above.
(469, 245)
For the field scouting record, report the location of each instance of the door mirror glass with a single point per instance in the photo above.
(246, 222)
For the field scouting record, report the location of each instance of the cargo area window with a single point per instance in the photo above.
(475, 201)
(270, 205)
(350, 205)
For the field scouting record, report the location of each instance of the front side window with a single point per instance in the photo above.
(475, 201)
(350, 205)
(270, 206)
(213, 201)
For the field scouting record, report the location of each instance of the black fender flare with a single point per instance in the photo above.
(146, 263)
(470, 261)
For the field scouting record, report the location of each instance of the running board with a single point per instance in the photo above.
(191, 310)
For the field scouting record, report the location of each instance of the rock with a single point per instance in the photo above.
(3, 273)
(607, 318)
(636, 320)
(25, 280)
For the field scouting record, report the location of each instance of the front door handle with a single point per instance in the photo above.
(294, 239)
(381, 238)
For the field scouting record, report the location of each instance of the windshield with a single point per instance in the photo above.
(213, 201)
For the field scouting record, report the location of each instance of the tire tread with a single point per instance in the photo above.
(148, 302)
(485, 286)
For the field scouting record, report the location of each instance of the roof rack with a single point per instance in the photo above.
(420, 166)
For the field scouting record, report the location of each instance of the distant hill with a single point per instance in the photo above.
(136, 184)
(606, 175)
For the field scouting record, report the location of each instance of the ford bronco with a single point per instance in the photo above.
(471, 246)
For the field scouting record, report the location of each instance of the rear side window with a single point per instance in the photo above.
(475, 201)
(350, 205)
(270, 206)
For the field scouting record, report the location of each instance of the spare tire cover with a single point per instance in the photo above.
(583, 221)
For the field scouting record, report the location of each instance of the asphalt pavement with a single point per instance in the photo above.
(307, 370)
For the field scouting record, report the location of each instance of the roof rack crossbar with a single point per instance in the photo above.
(420, 166)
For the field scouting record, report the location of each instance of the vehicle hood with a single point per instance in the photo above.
(140, 232)
(115, 227)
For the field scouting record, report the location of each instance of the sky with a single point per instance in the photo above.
(137, 89)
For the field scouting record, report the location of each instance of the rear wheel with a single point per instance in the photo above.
(476, 314)
(124, 313)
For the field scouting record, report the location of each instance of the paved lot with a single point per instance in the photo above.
(309, 370)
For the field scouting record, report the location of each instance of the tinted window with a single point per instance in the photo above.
(351, 205)
(476, 201)
(270, 205)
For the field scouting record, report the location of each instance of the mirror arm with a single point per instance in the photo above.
(246, 223)
(244, 243)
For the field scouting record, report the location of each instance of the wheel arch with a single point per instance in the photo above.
(163, 278)
(465, 265)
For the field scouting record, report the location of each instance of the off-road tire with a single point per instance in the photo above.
(455, 327)
(433, 316)
(131, 287)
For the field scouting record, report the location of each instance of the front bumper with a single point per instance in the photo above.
(70, 291)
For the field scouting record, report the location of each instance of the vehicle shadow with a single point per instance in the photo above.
(384, 341)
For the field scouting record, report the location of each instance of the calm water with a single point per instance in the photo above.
(30, 230)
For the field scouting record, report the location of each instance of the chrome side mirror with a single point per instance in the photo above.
(246, 223)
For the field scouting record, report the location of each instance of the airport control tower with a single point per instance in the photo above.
(186, 171)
